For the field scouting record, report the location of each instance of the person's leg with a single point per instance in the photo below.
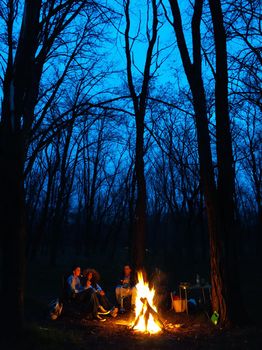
(123, 293)
(103, 300)
(133, 297)
(94, 304)
(118, 294)
(107, 305)
(89, 297)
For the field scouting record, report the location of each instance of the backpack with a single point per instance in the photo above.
(55, 308)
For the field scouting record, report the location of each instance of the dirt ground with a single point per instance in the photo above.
(193, 331)
(182, 332)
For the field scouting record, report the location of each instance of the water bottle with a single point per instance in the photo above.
(215, 318)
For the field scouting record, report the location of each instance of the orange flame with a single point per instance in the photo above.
(143, 291)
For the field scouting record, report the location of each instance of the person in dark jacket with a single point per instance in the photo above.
(126, 288)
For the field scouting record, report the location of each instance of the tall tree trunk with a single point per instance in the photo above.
(218, 220)
(139, 106)
(140, 208)
(59, 214)
(12, 230)
(210, 195)
(226, 171)
(130, 193)
(18, 81)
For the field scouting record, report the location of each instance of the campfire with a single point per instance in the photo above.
(147, 319)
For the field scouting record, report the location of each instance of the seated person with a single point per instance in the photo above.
(92, 278)
(126, 288)
(82, 294)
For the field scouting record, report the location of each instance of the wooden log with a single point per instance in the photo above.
(137, 319)
(149, 310)
(153, 313)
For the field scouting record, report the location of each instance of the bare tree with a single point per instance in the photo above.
(220, 198)
(139, 105)
(41, 26)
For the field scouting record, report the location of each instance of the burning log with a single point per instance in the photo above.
(147, 319)
(145, 312)
(151, 311)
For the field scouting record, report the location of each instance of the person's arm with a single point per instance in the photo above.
(79, 287)
(122, 281)
(126, 282)
(98, 288)
(71, 284)
(85, 284)
(88, 284)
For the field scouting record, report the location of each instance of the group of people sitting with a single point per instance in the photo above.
(84, 288)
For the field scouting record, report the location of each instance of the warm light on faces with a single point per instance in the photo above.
(77, 271)
(127, 270)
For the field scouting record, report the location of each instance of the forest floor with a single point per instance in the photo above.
(194, 332)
